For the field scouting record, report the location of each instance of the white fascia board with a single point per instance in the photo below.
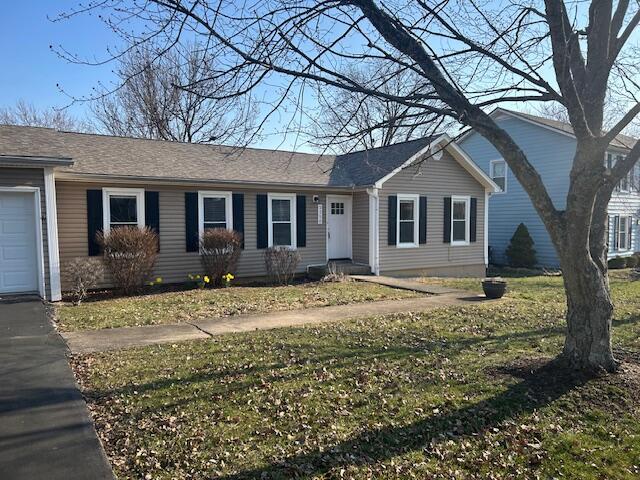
(458, 154)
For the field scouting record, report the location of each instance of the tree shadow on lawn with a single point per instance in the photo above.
(342, 358)
(541, 383)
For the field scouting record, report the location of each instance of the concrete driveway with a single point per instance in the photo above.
(45, 429)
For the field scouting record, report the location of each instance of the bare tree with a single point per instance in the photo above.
(166, 96)
(346, 121)
(472, 56)
(26, 114)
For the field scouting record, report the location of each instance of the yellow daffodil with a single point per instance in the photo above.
(206, 279)
(159, 280)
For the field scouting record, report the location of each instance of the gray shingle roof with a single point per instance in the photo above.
(621, 141)
(130, 157)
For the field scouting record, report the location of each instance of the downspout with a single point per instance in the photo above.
(487, 195)
(374, 230)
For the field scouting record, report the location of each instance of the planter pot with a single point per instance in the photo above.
(494, 288)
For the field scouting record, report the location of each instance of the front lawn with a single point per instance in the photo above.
(455, 393)
(173, 307)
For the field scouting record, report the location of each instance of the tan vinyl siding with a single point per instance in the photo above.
(436, 179)
(31, 177)
(174, 262)
(360, 222)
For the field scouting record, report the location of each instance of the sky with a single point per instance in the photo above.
(31, 70)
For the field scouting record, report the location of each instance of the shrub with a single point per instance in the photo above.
(631, 262)
(520, 251)
(219, 253)
(617, 262)
(83, 274)
(129, 254)
(333, 275)
(281, 264)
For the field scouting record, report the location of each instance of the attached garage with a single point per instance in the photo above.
(29, 259)
(20, 239)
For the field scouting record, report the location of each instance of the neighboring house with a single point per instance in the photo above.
(396, 209)
(550, 147)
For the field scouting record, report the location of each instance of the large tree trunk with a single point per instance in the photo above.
(589, 314)
(583, 257)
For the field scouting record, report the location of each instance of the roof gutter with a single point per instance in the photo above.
(102, 178)
(24, 161)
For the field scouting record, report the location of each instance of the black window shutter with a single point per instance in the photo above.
(422, 220)
(616, 232)
(238, 214)
(152, 212)
(391, 224)
(94, 220)
(446, 228)
(301, 221)
(262, 220)
(473, 219)
(191, 221)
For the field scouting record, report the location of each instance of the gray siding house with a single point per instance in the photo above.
(550, 146)
(417, 207)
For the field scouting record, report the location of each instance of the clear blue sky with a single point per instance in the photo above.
(30, 70)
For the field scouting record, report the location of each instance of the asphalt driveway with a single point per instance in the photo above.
(45, 429)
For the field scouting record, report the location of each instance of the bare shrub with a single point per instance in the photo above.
(129, 254)
(281, 264)
(83, 274)
(333, 275)
(219, 253)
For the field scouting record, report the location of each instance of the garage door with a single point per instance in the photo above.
(18, 245)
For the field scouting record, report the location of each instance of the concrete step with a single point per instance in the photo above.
(316, 272)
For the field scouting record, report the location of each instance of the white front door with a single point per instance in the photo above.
(18, 244)
(338, 226)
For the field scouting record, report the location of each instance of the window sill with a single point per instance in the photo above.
(407, 245)
(460, 244)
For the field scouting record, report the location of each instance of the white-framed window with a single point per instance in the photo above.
(282, 219)
(407, 220)
(625, 228)
(498, 170)
(627, 183)
(215, 210)
(122, 207)
(460, 207)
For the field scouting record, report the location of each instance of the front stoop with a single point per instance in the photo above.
(346, 267)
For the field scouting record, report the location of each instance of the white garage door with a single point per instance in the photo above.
(18, 244)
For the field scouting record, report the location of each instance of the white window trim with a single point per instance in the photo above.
(227, 204)
(106, 205)
(415, 198)
(491, 170)
(625, 232)
(282, 196)
(467, 201)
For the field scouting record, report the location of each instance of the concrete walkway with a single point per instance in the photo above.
(88, 341)
(405, 284)
(45, 428)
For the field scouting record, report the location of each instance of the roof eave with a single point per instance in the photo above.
(32, 161)
(100, 177)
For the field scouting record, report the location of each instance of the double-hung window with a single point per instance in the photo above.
(215, 210)
(460, 220)
(407, 215)
(282, 220)
(499, 174)
(625, 227)
(122, 207)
